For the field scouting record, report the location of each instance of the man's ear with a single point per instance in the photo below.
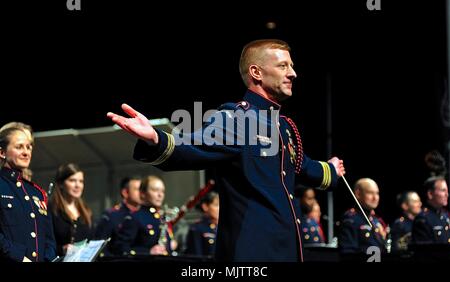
(358, 193)
(255, 72)
(429, 195)
(404, 206)
(124, 193)
(204, 207)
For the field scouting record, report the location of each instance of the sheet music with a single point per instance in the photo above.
(83, 251)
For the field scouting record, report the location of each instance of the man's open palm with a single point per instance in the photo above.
(137, 124)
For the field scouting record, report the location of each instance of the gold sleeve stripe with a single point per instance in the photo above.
(167, 152)
(323, 176)
(328, 175)
(328, 184)
(326, 180)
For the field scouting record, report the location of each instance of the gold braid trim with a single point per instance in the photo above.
(326, 180)
(167, 152)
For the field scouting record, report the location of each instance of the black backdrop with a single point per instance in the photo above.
(66, 69)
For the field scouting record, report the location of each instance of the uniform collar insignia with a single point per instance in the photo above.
(10, 173)
(260, 102)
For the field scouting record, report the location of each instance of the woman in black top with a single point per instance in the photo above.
(72, 218)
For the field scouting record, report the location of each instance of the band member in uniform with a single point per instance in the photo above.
(311, 226)
(201, 238)
(401, 230)
(256, 170)
(111, 220)
(432, 224)
(26, 232)
(355, 234)
(72, 218)
(140, 232)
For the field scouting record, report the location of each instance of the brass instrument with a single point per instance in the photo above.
(173, 215)
(167, 215)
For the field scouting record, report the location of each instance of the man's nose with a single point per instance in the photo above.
(292, 74)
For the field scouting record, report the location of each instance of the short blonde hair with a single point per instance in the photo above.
(146, 183)
(253, 53)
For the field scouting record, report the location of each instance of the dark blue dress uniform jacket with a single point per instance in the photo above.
(140, 231)
(201, 238)
(356, 236)
(25, 225)
(401, 233)
(259, 221)
(109, 225)
(431, 226)
(312, 231)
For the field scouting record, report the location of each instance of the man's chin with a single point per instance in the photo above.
(284, 96)
(368, 207)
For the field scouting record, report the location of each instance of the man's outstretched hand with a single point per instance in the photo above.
(137, 124)
(338, 165)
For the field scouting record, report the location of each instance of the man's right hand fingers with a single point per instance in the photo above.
(116, 118)
(119, 120)
(130, 111)
(111, 115)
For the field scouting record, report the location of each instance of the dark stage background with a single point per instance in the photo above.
(386, 70)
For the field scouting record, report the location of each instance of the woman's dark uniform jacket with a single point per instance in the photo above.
(312, 231)
(25, 224)
(201, 238)
(401, 233)
(259, 221)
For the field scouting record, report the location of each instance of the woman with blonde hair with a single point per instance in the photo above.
(26, 232)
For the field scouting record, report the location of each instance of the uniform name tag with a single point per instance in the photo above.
(209, 235)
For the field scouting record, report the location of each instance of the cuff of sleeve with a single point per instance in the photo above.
(327, 175)
(155, 154)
